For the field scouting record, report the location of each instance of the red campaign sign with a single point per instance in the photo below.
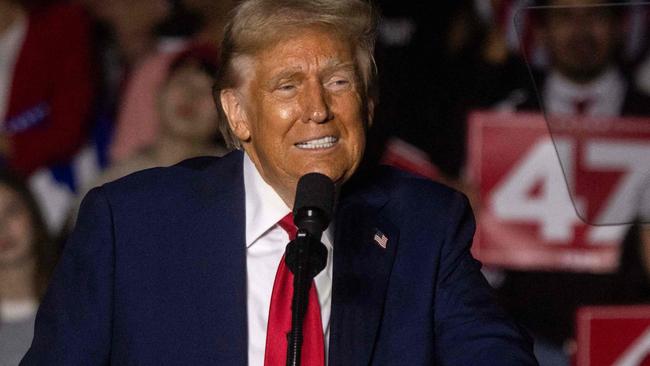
(613, 336)
(526, 217)
(614, 153)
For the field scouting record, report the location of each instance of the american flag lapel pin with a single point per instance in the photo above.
(380, 239)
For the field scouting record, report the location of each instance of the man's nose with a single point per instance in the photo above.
(316, 104)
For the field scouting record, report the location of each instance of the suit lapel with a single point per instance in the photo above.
(362, 268)
(220, 229)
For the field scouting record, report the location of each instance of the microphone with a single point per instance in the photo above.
(312, 212)
(306, 256)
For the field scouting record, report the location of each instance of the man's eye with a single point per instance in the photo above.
(338, 84)
(286, 90)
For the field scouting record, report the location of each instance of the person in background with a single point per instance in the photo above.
(124, 32)
(109, 37)
(585, 76)
(137, 119)
(586, 73)
(27, 257)
(46, 83)
(188, 120)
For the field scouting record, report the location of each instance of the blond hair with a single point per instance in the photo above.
(257, 24)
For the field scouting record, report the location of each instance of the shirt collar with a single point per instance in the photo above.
(605, 94)
(264, 207)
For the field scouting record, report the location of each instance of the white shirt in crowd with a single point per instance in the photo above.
(604, 95)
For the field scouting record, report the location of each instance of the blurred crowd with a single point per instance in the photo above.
(93, 90)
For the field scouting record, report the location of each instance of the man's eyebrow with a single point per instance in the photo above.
(284, 74)
(334, 65)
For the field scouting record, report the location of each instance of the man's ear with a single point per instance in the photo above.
(233, 106)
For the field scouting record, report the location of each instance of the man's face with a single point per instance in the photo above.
(186, 106)
(16, 229)
(581, 38)
(300, 110)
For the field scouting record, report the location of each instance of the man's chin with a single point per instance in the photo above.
(583, 72)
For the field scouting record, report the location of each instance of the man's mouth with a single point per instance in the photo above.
(319, 143)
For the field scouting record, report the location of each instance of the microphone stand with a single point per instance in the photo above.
(305, 256)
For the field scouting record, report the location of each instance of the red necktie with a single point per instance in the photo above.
(279, 326)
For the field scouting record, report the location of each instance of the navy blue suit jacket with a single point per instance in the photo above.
(155, 274)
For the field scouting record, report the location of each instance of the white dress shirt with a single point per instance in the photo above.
(606, 94)
(265, 245)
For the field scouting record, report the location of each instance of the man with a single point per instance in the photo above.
(176, 265)
(583, 40)
(44, 63)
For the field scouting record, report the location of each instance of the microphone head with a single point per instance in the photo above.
(314, 191)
